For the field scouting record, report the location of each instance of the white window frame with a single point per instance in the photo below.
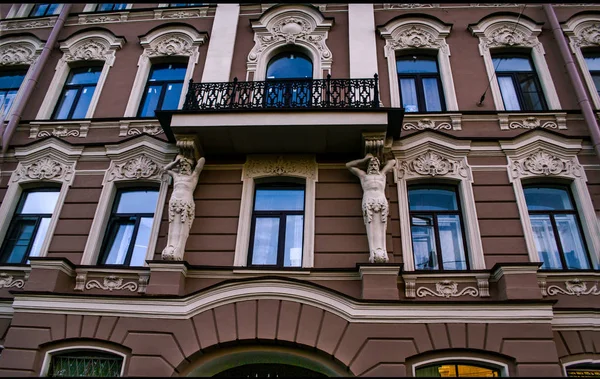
(25, 9)
(170, 41)
(429, 155)
(583, 32)
(418, 33)
(133, 163)
(89, 8)
(503, 367)
(526, 156)
(566, 365)
(48, 161)
(271, 37)
(503, 31)
(263, 166)
(89, 45)
(21, 51)
(72, 348)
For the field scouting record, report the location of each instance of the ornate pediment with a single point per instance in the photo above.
(45, 168)
(17, 53)
(415, 37)
(542, 163)
(259, 166)
(432, 164)
(138, 167)
(508, 36)
(92, 45)
(171, 44)
(587, 36)
(88, 50)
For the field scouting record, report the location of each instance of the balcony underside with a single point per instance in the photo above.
(276, 131)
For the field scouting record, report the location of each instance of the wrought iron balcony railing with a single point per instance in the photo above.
(284, 94)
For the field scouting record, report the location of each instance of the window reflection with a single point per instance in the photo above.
(163, 89)
(77, 93)
(519, 83)
(289, 81)
(39, 10)
(420, 83)
(10, 82)
(456, 370)
(592, 60)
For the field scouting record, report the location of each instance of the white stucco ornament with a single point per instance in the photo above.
(375, 206)
(181, 205)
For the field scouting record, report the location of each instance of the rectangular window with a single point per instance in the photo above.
(85, 363)
(77, 93)
(186, 4)
(519, 83)
(129, 227)
(420, 84)
(29, 225)
(436, 225)
(593, 64)
(556, 228)
(44, 10)
(110, 7)
(277, 229)
(163, 89)
(10, 82)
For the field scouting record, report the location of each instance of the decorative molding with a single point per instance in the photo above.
(110, 283)
(506, 35)
(532, 123)
(290, 25)
(574, 287)
(415, 37)
(542, 163)
(129, 128)
(59, 131)
(447, 289)
(28, 23)
(85, 19)
(153, 130)
(162, 14)
(409, 6)
(282, 165)
(138, 167)
(374, 143)
(426, 123)
(541, 121)
(8, 281)
(432, 164)
(17, 53)
(46, 168)
(409, 288)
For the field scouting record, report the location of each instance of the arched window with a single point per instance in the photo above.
(289, 80)
(10, 82)
(519, 83)
(456, 369)
(89, 363)
(592, 60)
(556, 227)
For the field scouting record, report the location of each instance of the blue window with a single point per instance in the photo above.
(186, 4)
(436, 226)
(289, 80)
(110, 7)
(593, 64)
(44, 10)
(556, 228)
(77, 93)
(277, 225)
(29, 226)
(420, 84)
(163, 89)
(128, 231)
(10, 82)
(519, 83)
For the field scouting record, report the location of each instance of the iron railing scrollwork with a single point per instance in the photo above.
(284, 94)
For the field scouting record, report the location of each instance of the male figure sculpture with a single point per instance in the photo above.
(181, 205)
(374, 204)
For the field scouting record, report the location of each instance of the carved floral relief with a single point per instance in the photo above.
(544, 163)
(139, 167)
(45, 168)
(432, 164)
(279, 166)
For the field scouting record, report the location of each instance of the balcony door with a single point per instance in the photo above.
(289, 81)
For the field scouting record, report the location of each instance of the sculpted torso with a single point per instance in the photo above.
(373, 186)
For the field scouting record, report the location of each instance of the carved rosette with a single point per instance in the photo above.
(544, 163)
(574, 287)
(17, 53)
(447, 289)
(139, 167)
(426, 124)
(414, 37)
(46, 168)
(170, 44)
(89, 49)
(433, 164)
(280, 166)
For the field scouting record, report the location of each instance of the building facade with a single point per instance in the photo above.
(178, 198)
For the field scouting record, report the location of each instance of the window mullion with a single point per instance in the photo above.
(438, 246)
(561, 253)
(132, 242)
(31, 240)
(281, 241)
(75, 100)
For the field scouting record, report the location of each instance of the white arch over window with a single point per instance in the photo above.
(290, 25)
(583, 31)
(92, 45)
(418, 33)
(74, 348)
(503, 367)
(589, 361)
(169, 41)
(263, 166)
(503, 31)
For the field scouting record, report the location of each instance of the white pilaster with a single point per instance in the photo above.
(361, 29)
(222, 40)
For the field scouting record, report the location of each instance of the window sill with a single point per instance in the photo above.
(100, 279)
(569, 282)
(446, 284)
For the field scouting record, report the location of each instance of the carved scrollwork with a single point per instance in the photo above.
(90, 49)
(18, 24)
(267, 166)
(110, 283)
(153, 130)
(59, 131)
(447, 289)
(533, 123)
(170, 44)
(416, 37)
(507, 35)
(17, 53)
(426, 123)
(99, 19)
(139, 167)
(588, 36)
(8, 281)
(574, 287)
(544, 163)
(45, 168)
(433, 164)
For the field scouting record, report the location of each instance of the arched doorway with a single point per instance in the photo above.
(289, 81)
(265, 361)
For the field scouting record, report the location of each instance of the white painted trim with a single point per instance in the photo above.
(458, 359)
(160, 153)
(270, 38)
(91, 45)
(418, 33)
(362, 47)
(217, 67)
(170, 41)
(260, 166)
(566, 365)
(25, 9)
(576, 320)
(497, 33)
(13, 11)
(575, 29)
(78, 347)
(229, 293)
